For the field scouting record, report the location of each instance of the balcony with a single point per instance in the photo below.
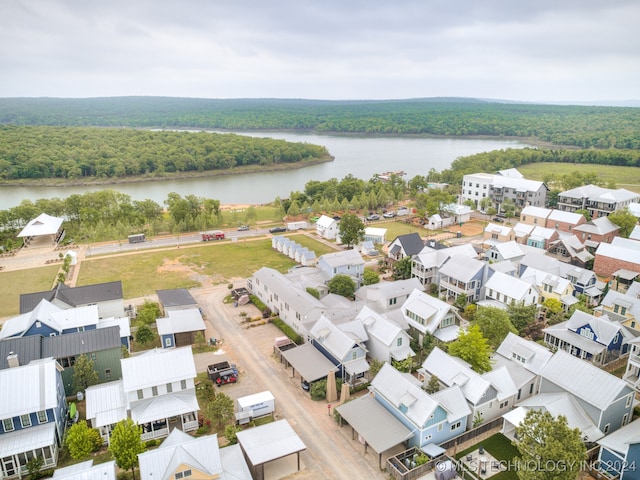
(160, 433)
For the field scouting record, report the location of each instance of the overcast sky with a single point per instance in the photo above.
(542, 50)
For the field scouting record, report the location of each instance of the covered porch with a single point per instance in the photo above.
(158, 416)
(17, 449)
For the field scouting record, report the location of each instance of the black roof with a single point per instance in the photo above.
(412, 243)
(79, 343)
(27, 348)
(178, 297)
(73, 296)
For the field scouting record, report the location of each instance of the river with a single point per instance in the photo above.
(360, 156)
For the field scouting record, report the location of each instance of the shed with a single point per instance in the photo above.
(268, 443)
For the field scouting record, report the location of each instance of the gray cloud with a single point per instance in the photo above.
(544, 50)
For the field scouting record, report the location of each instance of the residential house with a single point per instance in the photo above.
(541, 237)
(87, 471)
(107, 296)
(569, 249)
(327, 227)
(524, 361)
(157, 391)
(384, 296)
(551, 286)
(620, 254)
(181, 456)
(597, 231)
(635, 233)
(596, 339)
(502, 251)
(498, 188)
(522, 231)
(623, 308)
(607, 399)
(565, 221)
(343, 349)
(532, 215)
(495, 233)
(619, 455)
(433, 419)
(176, 299)
(346, 262)
(632, 372)
(431, 316)
(425, 266)
(33, 410)
(488, 395)
(598, 201)
(501, 290)
(462, 277)
(375, 235)
(406, 245)
(180, 327)
(386, 340)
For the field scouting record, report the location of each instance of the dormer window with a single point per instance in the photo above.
(184, 474)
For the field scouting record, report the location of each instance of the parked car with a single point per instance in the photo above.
(277, 229)
(243, 228)
(498, 220)
(373, 216)
(390, 214)
(305, 386)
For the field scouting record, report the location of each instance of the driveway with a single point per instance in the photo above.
(330, 453)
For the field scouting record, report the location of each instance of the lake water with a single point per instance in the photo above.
(360, 156)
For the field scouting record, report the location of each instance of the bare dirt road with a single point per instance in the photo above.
(330, 453)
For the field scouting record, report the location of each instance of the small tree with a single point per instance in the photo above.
(403, 365)
(221, 408)
(494, 324)
(543, 441)
(82, 440)
(433, 386)
(145, 335)
(342, 285)
(126, 444)
(625, 220)
(351, 230)
(230, 433)
(84, 374)
(374, 367)
(522, 316)
(34, 466)
(148, 313)
(370, 277)
(402, 269)
(473, 348)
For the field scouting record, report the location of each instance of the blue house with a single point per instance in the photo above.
(596, 339)
(343, 349)
(433, 418)
(620, 452)
(33, 414)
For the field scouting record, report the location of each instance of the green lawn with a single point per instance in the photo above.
(318, 247)
(501, 448)
(400, 228)
(623, 177)
(15, 283)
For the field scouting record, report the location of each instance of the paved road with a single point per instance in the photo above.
(331, 453)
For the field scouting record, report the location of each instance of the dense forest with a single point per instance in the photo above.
(78, 153)
(579, 126)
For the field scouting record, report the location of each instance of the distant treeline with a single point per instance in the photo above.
(491, 162)
(76, 153)
(581, 126)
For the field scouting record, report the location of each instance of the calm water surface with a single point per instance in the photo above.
(360, 156)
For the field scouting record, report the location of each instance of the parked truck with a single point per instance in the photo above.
(222, 373)
(254, 406)
(214, 235)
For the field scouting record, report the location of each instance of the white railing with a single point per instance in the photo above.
(162, 432)
(188, 426)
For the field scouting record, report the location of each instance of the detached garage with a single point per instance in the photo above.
(179, 327)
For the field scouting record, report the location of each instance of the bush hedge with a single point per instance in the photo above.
(288, 331)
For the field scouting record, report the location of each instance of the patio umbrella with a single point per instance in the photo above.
(332, 391)
(344, 393)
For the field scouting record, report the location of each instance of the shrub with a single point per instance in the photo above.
(288, 331)
(266, 312)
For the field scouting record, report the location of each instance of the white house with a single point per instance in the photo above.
(346, 262)
(386, 339)
(504, 289)
(430, 315)
(327, 227)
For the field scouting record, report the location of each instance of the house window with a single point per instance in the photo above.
(183, 384)
(107, 374)
(25, 420)
(167, 342)
(7, 424)
(154, 391)
(530, 389)
(186, 473)
(439, 427)
(393, 301)
(169, 388)
(456, 425)
(399, 342)
(140, 396)
(629, 400)
(93, 357)
(42, 416)
(504, 404)
(606, 428)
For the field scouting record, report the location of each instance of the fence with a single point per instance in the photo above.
(471, 434)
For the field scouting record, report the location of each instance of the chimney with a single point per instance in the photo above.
(12, 360)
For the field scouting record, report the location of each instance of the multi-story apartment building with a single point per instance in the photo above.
(498, 188)
(598, 201)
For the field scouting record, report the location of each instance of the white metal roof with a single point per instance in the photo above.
(43, 224)
(344, 257)
(157, 367)
(509, 250)
(337, 342)
(584, 380)
(87, 471)
(259, 397)
(164, 406)
(502, 382)
(28, 439)
(620, 440)
(179, 321)
(20, 324)
(451, 371)
(270, 442)
(75, 317)
(462, 268)
(379, 326)
(621, 251)
(122, 322)
(106, 403)
(534, 211)
(535, 363)
(432, 309)
(325, 222)
(28, 388)
(508, 285)
(453, 401)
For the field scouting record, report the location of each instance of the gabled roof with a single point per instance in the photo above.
(597, 226)
(411, 243)
(537, 277)
(179, 321)
(453, 371)
(502, 230)
(508, 285)
(74, 296)
(157, 367)
(453, 401)
(635, 233)
(79, 343)
(344, 257)
(523, 229)
(179, 448)
(177, 297)
(604, 329)
(628, 251)
(536, 356)
(542, 233)
(508, 250)
(566, 217)
(269, 442)
(33, 388)
(378, 326)
(462, 268)
(72, 318)
(623, 299)
(106, 403)
(510, 172)
(163, 406)
(87, 471)
(501, 380)
(431, 309)
(416, 404)
(535, 212)
(383, 291)
(620, 440)
(26, 348)
(595, 193)
(19, 325)
(43, 224)
(337, 342)
(325, 222)
(584, 380)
